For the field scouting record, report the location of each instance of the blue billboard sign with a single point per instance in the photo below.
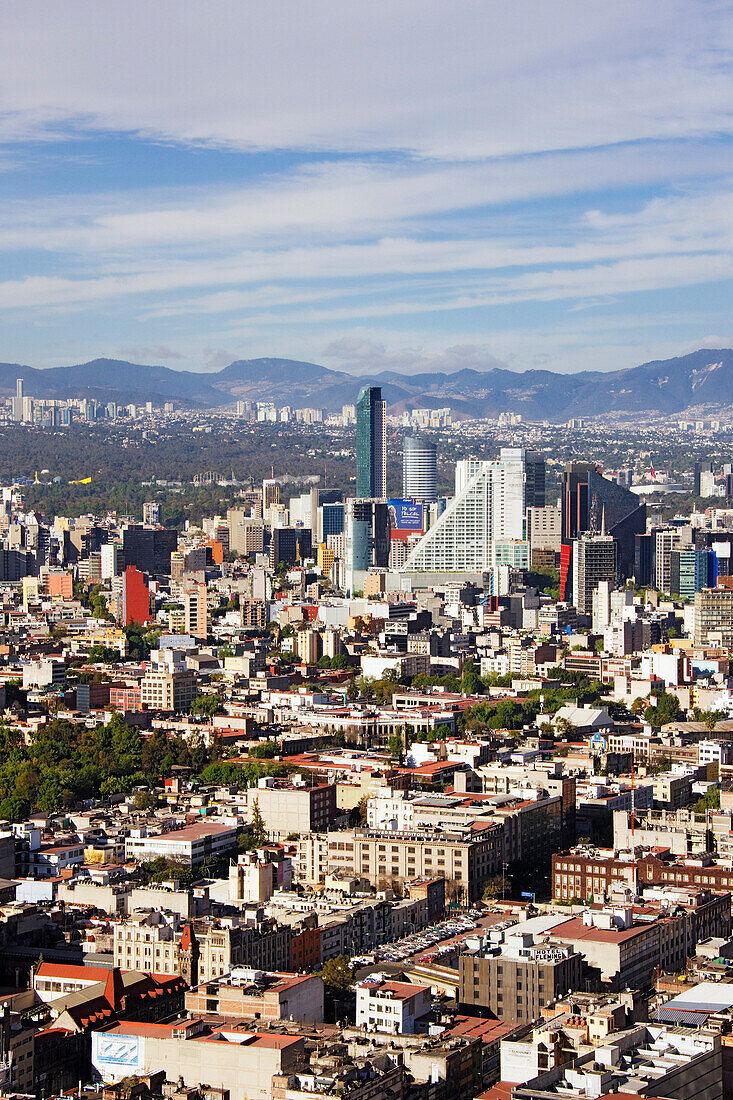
(406, 515)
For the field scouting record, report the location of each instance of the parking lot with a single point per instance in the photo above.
(431, 945)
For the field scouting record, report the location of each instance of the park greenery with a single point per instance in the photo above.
(63, 763)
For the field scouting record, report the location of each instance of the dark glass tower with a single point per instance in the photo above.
(591, 503)
(371, 444)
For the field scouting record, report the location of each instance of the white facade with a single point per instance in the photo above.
(394, 1007)
(488, 508)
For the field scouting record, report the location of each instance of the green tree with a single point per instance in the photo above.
(667, 709)
(257, 828)
(145, 800)
(470, 679)
(494, 888)
(338, 975)
(366, 687)
(264, 751)
(709, 801)
(394, 744)
(207, 705)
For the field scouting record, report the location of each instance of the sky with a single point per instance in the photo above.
(397, 185)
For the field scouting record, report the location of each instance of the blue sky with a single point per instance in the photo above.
(407, 186)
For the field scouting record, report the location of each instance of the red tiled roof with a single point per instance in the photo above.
(72, 972)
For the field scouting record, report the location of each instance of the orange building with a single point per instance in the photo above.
(59, 586)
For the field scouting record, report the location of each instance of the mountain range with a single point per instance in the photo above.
(703, 377)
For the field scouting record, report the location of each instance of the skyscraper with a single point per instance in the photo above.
(366, 543)
(590, 503)
(699, 469)
(371, 444)
(594, 560)
(17, 401)
(135, 598)
(419, 469)
(488, 507)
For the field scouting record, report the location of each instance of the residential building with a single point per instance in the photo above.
(714, 617)
(398, 1008)
(166, 689)
(191, 845)
(464, 858)
(196, 612)
(245, 1062)
(145, 942)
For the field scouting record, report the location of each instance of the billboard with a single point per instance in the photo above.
(406, 515)
(116, 1055)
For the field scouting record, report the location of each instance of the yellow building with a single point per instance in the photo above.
(326, 557)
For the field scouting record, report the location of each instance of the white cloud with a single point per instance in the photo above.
(466, 79)
(468, 136)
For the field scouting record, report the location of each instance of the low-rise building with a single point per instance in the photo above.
(243, 1061)
(191, 845)
(396, 1007)
(259, 995)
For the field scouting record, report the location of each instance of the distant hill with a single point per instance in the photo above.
(703, 377)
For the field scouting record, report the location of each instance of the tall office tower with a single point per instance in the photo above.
(371, 444)
(270, 493)
(488, 508)
(318, 498)
(135, 603)
(330, 520)
(17, 402)
(366, 540)
(691, 570)
(534, 490)
(721, 543)
(701, 468)
(665, 540)
(594, 560)
(290, 545)
(419, 469)
(149, 548)
(196, 613)
(644, 559)
(152, 513)
(543, 528)
(590, 502)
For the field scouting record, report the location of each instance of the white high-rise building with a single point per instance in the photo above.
(109, 563)
(419, 469)
(488, 507)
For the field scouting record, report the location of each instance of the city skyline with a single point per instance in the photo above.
(397, 189)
